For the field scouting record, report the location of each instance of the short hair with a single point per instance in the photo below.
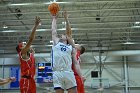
(82, 50)
(17, 49)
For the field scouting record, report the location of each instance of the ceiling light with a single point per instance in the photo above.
(5, 26)
(128, 43)
(128, 39)
(20, 4)
(76, 44)
(63, 23)
(62, 29)
(71, 29)
(135, 26)
(49, 45)
(51, 41)
(58, 2)
(9, 31)
(41, 30)
(137, 22)
(24, 4)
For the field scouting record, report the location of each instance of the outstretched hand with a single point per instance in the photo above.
(37, 20)
(83, 78)
(32, 50)
(65, 14)
(12, 79)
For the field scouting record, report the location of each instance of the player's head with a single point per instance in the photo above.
(63, 37)
(80, 48)
(20, 46)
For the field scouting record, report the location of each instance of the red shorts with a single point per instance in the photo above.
(27, 85)
(80, 84)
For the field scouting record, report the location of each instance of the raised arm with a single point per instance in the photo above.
(68, 26)
(68, 29)
(32, 50)
(32, 36)
(54, 32)
(76, 64)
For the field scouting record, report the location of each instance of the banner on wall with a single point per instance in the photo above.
(14, 72)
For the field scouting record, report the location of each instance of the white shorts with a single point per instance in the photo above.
(64, 79)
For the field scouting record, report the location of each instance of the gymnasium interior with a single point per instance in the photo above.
(108, 29)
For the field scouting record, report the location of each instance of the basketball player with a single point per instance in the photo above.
(7, 80)
(27, 62)
(80, 50)
(79, 80)
(63, 54)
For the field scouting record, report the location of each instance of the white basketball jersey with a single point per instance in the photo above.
(61, 57)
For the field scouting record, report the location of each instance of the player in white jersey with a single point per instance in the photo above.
(63, 54)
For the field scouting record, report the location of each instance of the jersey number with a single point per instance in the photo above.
(63, 48)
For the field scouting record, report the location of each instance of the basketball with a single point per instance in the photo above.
(53, 8)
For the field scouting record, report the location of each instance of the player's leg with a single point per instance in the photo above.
(24, 86)
(70, 82)
(32, 86)
(58, 82)
(80, 84)
(59, 90)
(72, 90)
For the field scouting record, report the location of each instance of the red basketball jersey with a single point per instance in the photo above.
(78, 57)
(27, 66)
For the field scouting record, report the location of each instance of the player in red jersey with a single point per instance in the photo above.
(27, 62)
(80, 50)
(79, 80)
